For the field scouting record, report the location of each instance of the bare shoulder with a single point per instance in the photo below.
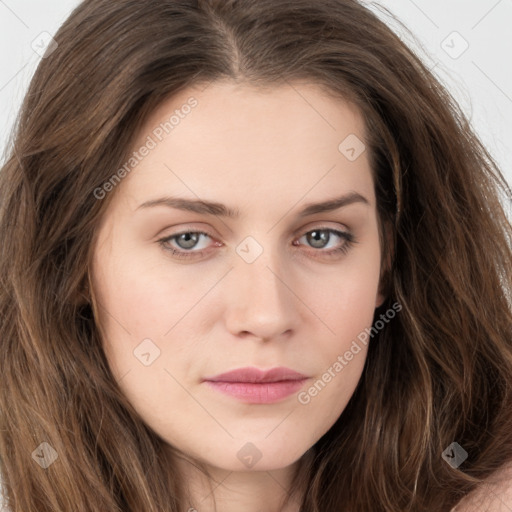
(495, 495)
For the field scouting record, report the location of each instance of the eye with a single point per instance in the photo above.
(320, 238)
(185, 242)
(180, 245)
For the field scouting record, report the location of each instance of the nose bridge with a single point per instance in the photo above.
(261, 301)
(259, 264)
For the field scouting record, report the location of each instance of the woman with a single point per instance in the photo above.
(254, 258)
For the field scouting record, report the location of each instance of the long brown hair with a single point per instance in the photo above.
(440, 372)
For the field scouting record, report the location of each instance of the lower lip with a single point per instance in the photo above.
(258, 393)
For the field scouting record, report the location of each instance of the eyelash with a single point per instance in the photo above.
(182, 254)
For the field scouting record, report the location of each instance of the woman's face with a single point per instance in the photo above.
(273, 286)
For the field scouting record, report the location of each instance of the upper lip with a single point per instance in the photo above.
(251, 374)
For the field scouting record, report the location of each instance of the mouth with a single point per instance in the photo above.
(255, 386)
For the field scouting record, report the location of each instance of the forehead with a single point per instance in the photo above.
(228, 140)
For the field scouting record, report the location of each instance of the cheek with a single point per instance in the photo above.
(143, 299)
(346, 298)
(150, 306)
(341, 358)
(347, 305)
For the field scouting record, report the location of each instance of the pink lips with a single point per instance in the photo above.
(256, 386)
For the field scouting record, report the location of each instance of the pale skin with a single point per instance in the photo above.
(268, 154)
(493, 496)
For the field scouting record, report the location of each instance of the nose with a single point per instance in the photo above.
(260, 299)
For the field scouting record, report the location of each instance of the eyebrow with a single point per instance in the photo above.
(219, 209)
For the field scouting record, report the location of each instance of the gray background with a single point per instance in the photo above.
(479, 76)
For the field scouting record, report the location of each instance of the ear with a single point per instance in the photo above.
(380, 299)
(82, 295)
(386, 264)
